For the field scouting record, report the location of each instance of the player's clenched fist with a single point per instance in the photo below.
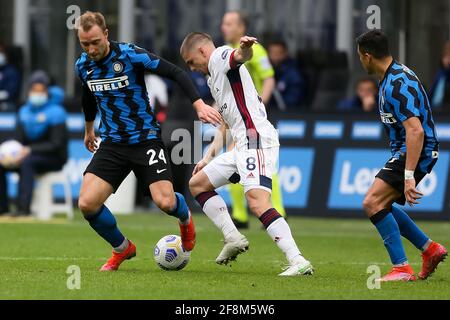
(91, 142)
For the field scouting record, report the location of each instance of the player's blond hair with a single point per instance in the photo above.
(89, 19)
(193, 39)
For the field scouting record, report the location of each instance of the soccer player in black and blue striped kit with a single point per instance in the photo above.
(112, 77)
(405, 112)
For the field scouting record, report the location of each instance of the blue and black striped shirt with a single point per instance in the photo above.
(115, 87)
(400, 97)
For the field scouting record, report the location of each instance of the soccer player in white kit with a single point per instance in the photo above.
(254, 158)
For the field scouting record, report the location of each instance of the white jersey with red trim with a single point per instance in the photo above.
(239, 103)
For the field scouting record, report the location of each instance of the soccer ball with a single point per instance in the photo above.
(169, 253)
(9, 151)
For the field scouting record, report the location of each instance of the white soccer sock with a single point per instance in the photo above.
(122, 247)
(280, 232)
(426, 245)
(216, 210)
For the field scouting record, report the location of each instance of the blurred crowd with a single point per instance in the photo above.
(41, 129)
(312, 80)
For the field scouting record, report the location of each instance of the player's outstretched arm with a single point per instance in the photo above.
(216, 146)
(414, 145)
(245, 52)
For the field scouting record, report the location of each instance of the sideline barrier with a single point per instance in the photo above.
(327, 163)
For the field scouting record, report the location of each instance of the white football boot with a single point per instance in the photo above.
(299, 267)
(232, 248)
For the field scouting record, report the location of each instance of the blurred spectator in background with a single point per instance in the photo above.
(9, 82)
(234, 27)
(290, 86)
(439, 93)
(365, 98)
(42, 130)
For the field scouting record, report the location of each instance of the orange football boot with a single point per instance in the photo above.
(403, 273)
(188, 234)
(431, 257)
(116, 260)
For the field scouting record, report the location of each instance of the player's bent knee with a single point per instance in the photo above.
(197, 186)
(367, 203)
(165, 202)
(88, 206)
(371, 205)
(258, 209)
(193, 185)
(255, 209)
(258, 206)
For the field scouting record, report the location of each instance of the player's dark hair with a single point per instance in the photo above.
(192, 38)
(89, 19)
(374, 42)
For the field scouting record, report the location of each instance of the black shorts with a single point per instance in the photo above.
(148, 160)
(393, 174)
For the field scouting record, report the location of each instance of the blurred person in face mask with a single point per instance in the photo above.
(9, 82)
(42, 130)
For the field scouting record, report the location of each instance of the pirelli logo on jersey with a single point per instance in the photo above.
(388, 118)
(108, 84)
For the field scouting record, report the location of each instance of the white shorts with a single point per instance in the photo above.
(252, 168)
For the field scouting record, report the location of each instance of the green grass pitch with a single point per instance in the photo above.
(34, 258)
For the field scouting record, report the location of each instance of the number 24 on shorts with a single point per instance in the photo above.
(152, 154)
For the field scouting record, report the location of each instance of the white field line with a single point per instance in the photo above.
(277, 262)
(48, 259)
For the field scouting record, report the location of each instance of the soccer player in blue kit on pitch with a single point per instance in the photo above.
(406, 115)
(112, 77)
